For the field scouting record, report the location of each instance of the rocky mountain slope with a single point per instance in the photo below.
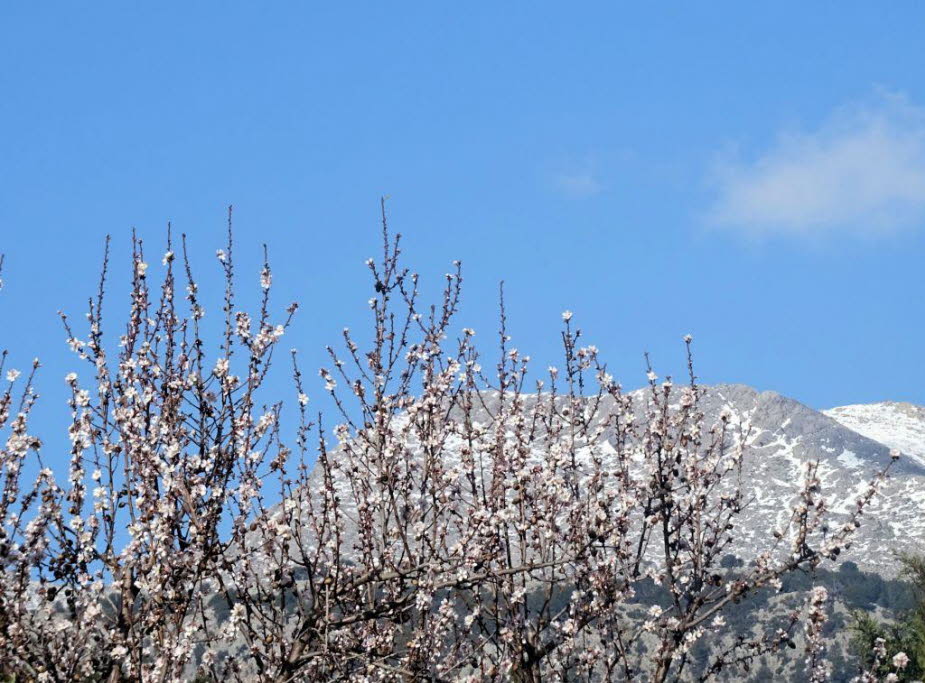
(851, 444)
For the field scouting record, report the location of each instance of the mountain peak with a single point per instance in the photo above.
(894, 424)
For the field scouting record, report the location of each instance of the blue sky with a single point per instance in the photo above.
(753, 175)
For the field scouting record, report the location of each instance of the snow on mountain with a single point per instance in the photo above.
(851, 444)
(784, 435)
(896, 425)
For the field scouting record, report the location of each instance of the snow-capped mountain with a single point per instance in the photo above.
(897, 425)
(851, 444)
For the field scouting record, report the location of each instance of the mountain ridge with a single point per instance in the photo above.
(895, 424)
(783, 435)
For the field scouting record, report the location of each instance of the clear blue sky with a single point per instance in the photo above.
(754, 175)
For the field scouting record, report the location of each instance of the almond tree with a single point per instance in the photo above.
(25, 513)
(465, 526)
(167, 447)
(453, 523)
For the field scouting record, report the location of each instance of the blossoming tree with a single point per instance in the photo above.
(453, 522)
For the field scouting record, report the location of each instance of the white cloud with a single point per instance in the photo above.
(578, 185)
(862, 172)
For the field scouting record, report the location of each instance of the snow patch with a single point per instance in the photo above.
(895, 425)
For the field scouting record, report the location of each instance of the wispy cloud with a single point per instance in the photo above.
(579, 185)
(861, 172)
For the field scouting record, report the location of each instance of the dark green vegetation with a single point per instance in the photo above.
(905, 634)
